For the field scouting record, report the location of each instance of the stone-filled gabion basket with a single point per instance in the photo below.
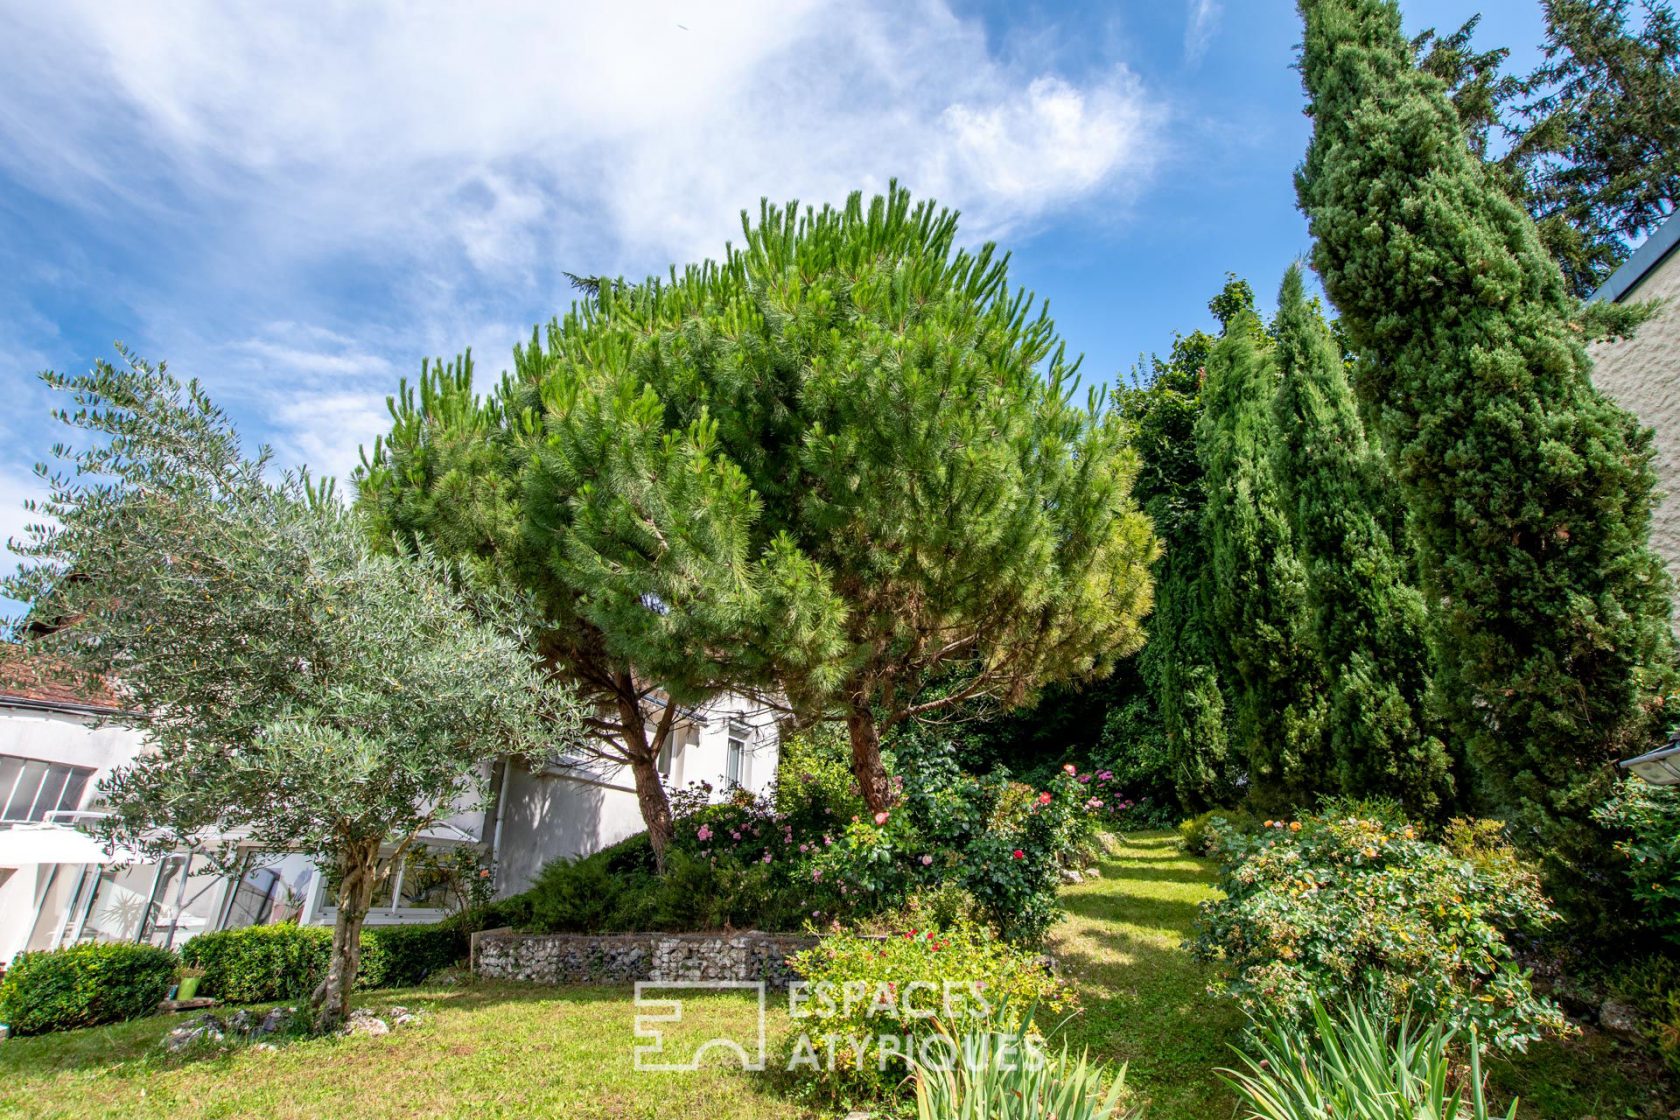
(582, 958)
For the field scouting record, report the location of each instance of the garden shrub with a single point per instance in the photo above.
(406, 955)
(790, 861)
(1652, 986)
(1346, 907)
(1002, 842)
(287, 961)
(1202, 835)
(1648, 816)
(874, 999)
(815, 789)
(583, 895)
(84, 985)
(257, 963)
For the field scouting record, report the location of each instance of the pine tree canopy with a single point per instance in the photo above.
(842, 462)
(1598, 138)
(1529, 493)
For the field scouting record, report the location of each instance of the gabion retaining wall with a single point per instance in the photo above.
(582, 958)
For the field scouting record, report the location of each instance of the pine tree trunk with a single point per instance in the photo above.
(655, 806)
(871, 775)
(643, 757)
(360, 865)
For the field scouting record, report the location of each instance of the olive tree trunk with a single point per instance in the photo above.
(359, 865)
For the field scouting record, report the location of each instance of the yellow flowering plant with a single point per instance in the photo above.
(1348, 905)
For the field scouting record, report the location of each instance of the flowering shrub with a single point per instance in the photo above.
(798, 857)
(1339, 907)
(867, 1004)
(1001, 842)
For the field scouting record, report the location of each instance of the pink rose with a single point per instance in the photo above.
(1070, 768)
(881, 818)
(927, 861)
(705, 833)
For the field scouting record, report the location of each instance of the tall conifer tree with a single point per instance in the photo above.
(1258, 594)
(1530, 494)
(1368, 623)
(1179, 662)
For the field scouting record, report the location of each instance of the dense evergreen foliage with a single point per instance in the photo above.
(1257, 588)
(1368, 623)
(1178, 664)
(1597, 150)
(1529, 493)
(842, 465)
(1589, 141)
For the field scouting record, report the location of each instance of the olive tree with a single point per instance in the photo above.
(299, 688)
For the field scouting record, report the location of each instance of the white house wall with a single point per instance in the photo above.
(1643, 375)
(62, 737)
(569, 812)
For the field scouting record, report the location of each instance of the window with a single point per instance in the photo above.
(273, 889)
(31, 789)
(185, 900)
(735, 762)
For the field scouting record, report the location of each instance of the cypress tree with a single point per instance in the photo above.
(1258, 597)
(1529, 493)
(1178, 663)
(1368, 623)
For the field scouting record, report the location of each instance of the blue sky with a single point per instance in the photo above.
(296, 203)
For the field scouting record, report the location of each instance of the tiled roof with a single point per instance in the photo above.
(33, 678)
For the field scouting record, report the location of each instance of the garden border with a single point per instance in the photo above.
(608, 958)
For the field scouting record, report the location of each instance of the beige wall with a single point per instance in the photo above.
(1643, 375)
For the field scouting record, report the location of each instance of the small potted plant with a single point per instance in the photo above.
(187, 988)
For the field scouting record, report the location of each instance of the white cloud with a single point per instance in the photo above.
(469, 153)
(1201, 23)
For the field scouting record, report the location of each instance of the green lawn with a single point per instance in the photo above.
(491, 1050)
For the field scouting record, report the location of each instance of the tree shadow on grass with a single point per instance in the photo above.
(136, 1047)
(1147, 874)
(1170, 915)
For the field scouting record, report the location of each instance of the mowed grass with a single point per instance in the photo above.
(1145, 998)
(489, 1051)
(485, 1051)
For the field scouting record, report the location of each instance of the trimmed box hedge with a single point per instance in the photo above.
(288, 961)
(84, 986)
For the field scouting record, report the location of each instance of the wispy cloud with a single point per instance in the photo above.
(324, 193)
(1201, 23)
